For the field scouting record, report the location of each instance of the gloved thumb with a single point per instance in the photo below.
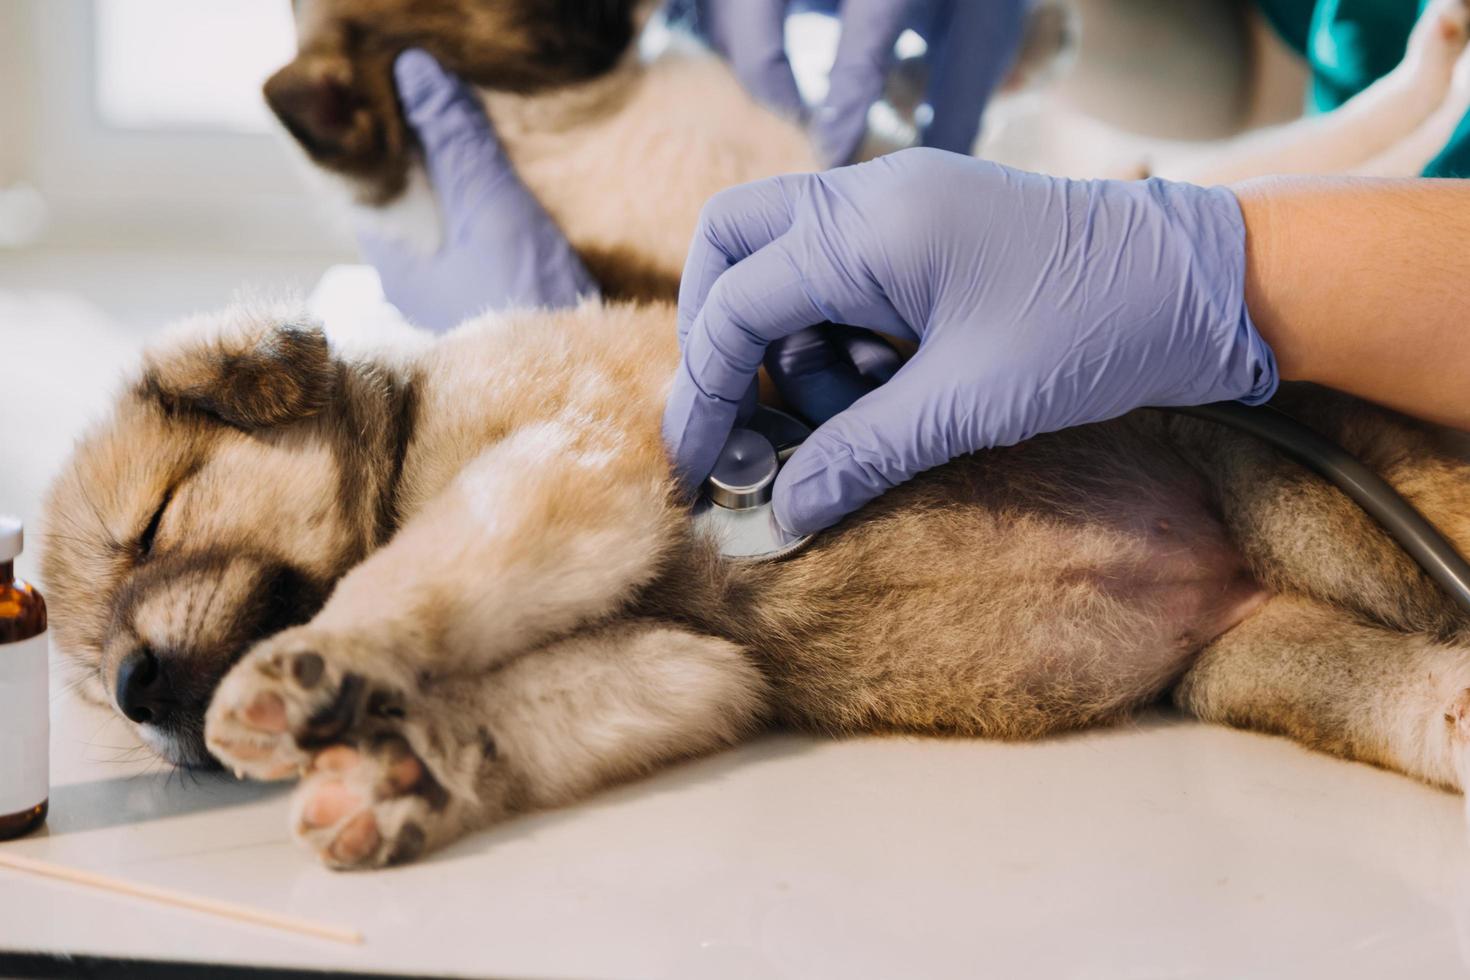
(462, 155)
(887, 436)
(436, 104)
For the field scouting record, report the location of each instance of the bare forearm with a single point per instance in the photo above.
(1358, 284)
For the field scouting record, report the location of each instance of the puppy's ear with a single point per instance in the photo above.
(345, 116)
(252, 372)
(315, 99)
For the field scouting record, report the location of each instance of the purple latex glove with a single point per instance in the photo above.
(500, 248)
(971, 44)
(1037, 303)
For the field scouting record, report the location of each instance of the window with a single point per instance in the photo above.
(188, 64)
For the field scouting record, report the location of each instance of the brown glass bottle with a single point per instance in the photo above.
(23, 724)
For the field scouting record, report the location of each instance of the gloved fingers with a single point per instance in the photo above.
(887, 436)
(870, 28)
(761, 299)
(482, 201)
(751, 34)
(734, 224)
(814, 373)
(462, 155)
(967, 59)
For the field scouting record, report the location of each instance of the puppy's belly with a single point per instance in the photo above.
(1191, 597)
(1184, 577)
(966, 605)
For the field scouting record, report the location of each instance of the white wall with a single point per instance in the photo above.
(145, 188)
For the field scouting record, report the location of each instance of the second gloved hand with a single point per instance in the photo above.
(971, 44)
(1037, 303)
(500, 248)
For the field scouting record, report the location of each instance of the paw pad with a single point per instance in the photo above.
(331, 802)
(357, 840)
(307, 669)
(266, 713)
(366, 807)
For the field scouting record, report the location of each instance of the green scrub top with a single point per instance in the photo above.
(1349, 45)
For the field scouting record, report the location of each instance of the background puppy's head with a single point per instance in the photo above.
(337, 97)
(237, 478)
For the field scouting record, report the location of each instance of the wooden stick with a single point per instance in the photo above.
(228, 910)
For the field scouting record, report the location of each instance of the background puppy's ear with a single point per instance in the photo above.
(314, 98)
(253, 372)
(344, 113)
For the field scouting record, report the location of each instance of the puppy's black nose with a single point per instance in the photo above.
(142, 692)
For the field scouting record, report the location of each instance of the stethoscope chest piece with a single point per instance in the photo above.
(734, 508)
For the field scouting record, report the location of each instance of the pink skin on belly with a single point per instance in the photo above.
(1143, 586)
(1195, 580)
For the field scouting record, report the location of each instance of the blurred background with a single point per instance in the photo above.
(141, 177)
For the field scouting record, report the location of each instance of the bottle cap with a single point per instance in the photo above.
(12, 537)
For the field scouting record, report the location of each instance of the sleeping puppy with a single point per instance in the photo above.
(449, 582)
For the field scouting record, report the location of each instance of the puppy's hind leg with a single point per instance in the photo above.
(1309, 671)
(417, 768)
(1301, 535)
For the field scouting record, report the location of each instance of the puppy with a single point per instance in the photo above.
(453, 582)
(449, 583)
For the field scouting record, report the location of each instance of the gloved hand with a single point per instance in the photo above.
(1037, 303)
(500, 248)
(971, 44)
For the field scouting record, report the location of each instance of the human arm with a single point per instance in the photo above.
(1357, 284)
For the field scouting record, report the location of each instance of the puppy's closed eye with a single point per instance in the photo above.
(150, 532)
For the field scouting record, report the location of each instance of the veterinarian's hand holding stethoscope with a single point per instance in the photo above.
(970, 47)
(1037, 303)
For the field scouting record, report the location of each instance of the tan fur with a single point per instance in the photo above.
(683, 118)
(1297, 668)
(538, 620)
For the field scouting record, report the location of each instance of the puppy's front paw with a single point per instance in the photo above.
(370, 806)
(289, 698)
